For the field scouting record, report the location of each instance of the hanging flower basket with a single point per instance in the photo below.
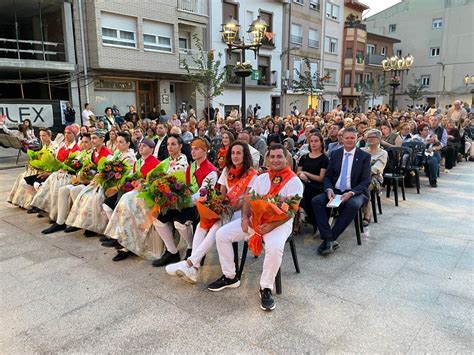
(394, 81)
(243, 73)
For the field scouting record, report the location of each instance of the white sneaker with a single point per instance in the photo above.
(188, 274)
(171, 268)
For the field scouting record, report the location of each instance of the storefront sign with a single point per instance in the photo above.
(103, 84)
(39, 115)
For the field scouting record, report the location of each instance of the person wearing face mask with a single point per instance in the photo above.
(236, 180)
(279, 180)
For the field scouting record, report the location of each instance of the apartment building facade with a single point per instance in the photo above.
(133, 55)
(439, 34)
(353, 49)
(37, 61)
(264, 88)
(378, 48)
(302, 31)
(331, 54)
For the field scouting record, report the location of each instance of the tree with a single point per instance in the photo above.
(307, 83)
(373, 89)
(415, 91)
(205, 73)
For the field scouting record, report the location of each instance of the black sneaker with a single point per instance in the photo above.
(32, 210)
(104, 238)
(122, 255)
(268, 304)
(54, 228)
(71, 229)
(188, 253)
(433, 184)
(223, 282)
(327, 247)
(166, 259)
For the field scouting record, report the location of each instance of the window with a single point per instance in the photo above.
(434, 51)
(425, 80)
(332, 11)
(313, 69)
(330, 44)
(296, 34)
(360, 57)
(296, 69)
(349, 52)
(183, 44)
(383, 51)
(158, 36)
(437, 23)
(313, 38)
(301, 2)
(264, 68)
(399, 53)
(368, 77)
(392, 28)
(229, 9)
(332, 73)
(370, 49)
(231, 60)
(315, 4)
(268, 18)
(118, 30)
(347, 79)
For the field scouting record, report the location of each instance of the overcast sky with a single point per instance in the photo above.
(377, 6)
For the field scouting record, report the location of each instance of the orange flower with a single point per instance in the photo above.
(285, 207)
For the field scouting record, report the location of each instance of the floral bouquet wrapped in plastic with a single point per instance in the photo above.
(87, 172)
(111, 173)
(44, 160)
(212, 206)
(73, 163)
(163, 192)
(267, 209)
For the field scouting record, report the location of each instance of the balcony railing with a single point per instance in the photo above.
(374, 59)
(296, 39)
(313, 43)
(31, 50)
(198, 7)
(188, 56)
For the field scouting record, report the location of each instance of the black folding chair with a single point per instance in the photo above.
(374, 197)
(394, 173)
(416, 161)
(290, 240)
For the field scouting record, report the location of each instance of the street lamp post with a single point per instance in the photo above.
(396, 66)
(230, 35)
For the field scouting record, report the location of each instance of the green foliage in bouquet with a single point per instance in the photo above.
(44, 160)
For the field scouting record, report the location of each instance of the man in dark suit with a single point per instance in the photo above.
(348, 174)
(161, 148)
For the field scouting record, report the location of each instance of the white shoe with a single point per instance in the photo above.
(188, 274)
(171, 268)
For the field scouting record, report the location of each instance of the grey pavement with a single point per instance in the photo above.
(408, 288)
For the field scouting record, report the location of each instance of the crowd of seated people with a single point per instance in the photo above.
(316, 156)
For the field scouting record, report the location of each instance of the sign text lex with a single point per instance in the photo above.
(39, 115)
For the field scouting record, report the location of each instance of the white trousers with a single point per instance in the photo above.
(469, 148)
(274, 246)
(204, 240)
(66, 197)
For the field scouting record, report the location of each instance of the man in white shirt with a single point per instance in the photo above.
(86, 114)
(280, 180)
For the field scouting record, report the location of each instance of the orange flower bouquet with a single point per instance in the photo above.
(213, 206)
(267, 209)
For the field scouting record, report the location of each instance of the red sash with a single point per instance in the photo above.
(238, 188)
(278, 180)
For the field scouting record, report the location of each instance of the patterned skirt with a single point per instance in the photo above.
(21, 193)
(132, 225)
(87, 212)
(46, 198)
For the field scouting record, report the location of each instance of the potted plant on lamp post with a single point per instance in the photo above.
(243, 70)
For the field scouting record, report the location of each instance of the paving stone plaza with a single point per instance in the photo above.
(408, 288)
